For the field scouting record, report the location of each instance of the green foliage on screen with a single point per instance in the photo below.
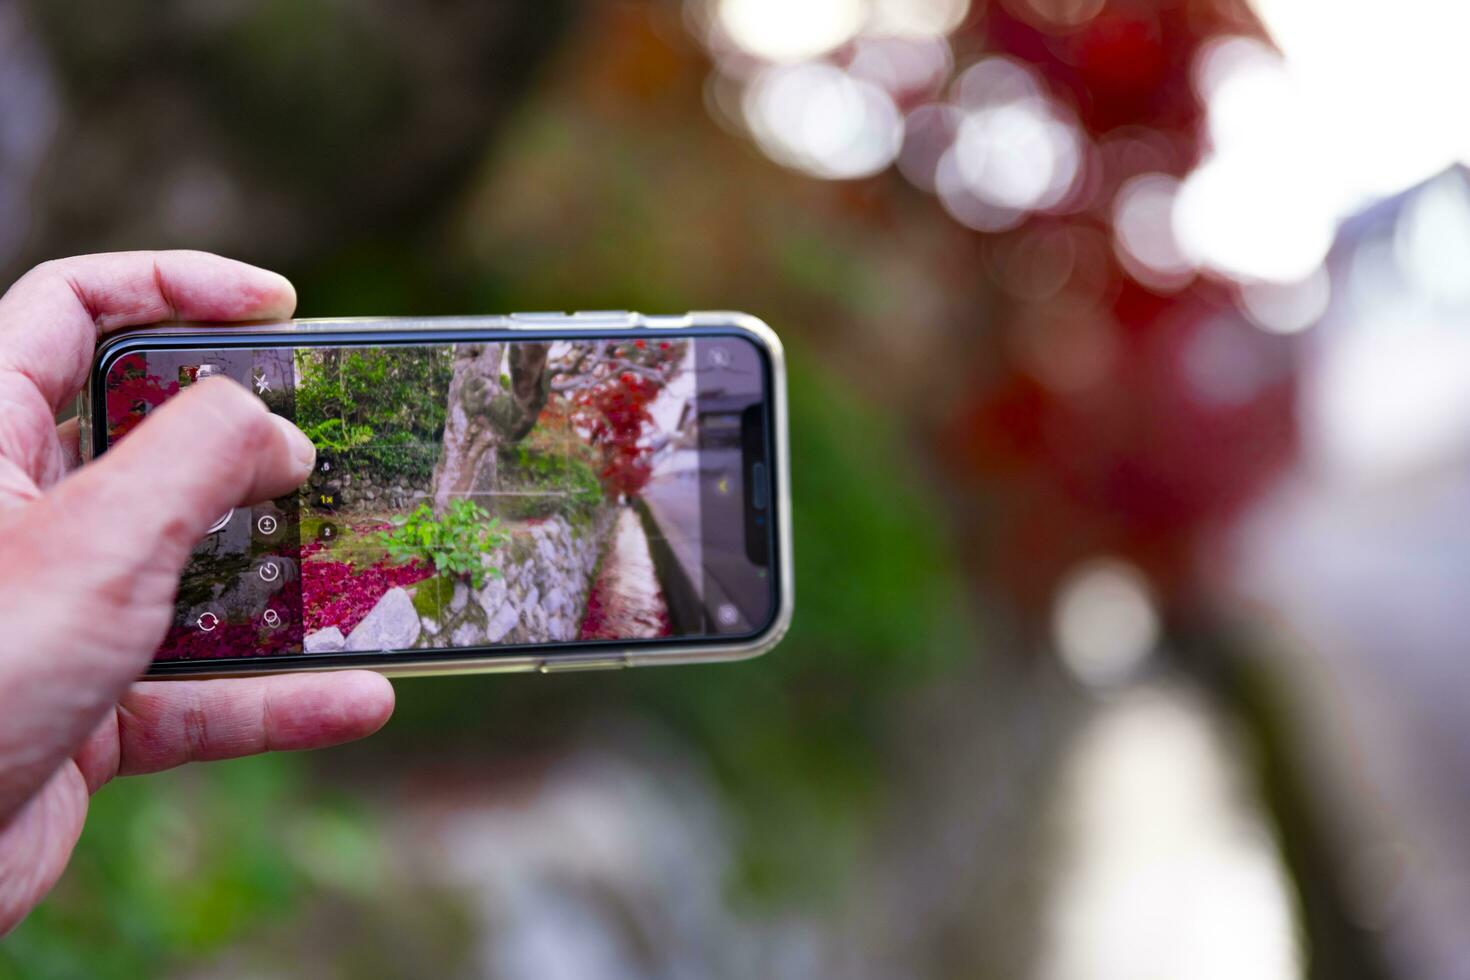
(383, 407)
(455, 544)
(336, 436)
(546, 482)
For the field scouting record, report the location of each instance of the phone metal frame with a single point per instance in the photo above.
(564, 325)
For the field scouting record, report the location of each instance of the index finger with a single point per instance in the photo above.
(51, 318)
(162, 724)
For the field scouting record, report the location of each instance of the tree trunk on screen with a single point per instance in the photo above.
(484, 414)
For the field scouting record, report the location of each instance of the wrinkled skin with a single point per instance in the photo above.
(90, 557)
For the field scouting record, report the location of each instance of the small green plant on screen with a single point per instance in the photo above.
(455, 544)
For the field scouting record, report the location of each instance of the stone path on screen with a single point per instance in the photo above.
(626, 601)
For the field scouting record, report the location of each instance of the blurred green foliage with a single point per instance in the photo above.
(178, 866)
(176, 873)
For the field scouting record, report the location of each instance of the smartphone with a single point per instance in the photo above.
(532, 492)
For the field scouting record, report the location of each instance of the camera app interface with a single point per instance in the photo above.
(482, 494)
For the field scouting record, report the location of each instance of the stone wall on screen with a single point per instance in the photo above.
(540, 596)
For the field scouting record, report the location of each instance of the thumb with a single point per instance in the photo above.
(89, 571)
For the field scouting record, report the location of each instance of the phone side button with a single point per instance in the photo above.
(563, 664)
(540, 319)
(614, 319)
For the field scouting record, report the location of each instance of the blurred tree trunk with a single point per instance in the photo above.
(484, 413)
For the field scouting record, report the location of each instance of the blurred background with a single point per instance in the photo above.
(1130, 405)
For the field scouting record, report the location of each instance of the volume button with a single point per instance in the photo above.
(540, 319)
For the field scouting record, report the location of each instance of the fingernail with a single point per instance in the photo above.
(301, 447)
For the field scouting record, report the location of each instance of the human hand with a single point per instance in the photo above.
(90, 560)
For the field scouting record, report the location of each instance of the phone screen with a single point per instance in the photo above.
(496, 493)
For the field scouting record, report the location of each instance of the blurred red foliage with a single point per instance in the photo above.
(1194, 411)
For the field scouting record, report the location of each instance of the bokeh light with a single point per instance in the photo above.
(1257, 208)
(1258, 214)
(817, 118)
(1386, 83)
(902, 66)
(1168, 874)
(1105, 624)
(1014, 149)
(996, 80)
(1247, 89)
(780, 31)
(917, 18)
(1143, 233)
(962, 203)
(929, 131)
(1289, 307)
(1020, 155)
(1302, 138)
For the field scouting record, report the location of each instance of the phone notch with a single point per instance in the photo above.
(757, 485)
